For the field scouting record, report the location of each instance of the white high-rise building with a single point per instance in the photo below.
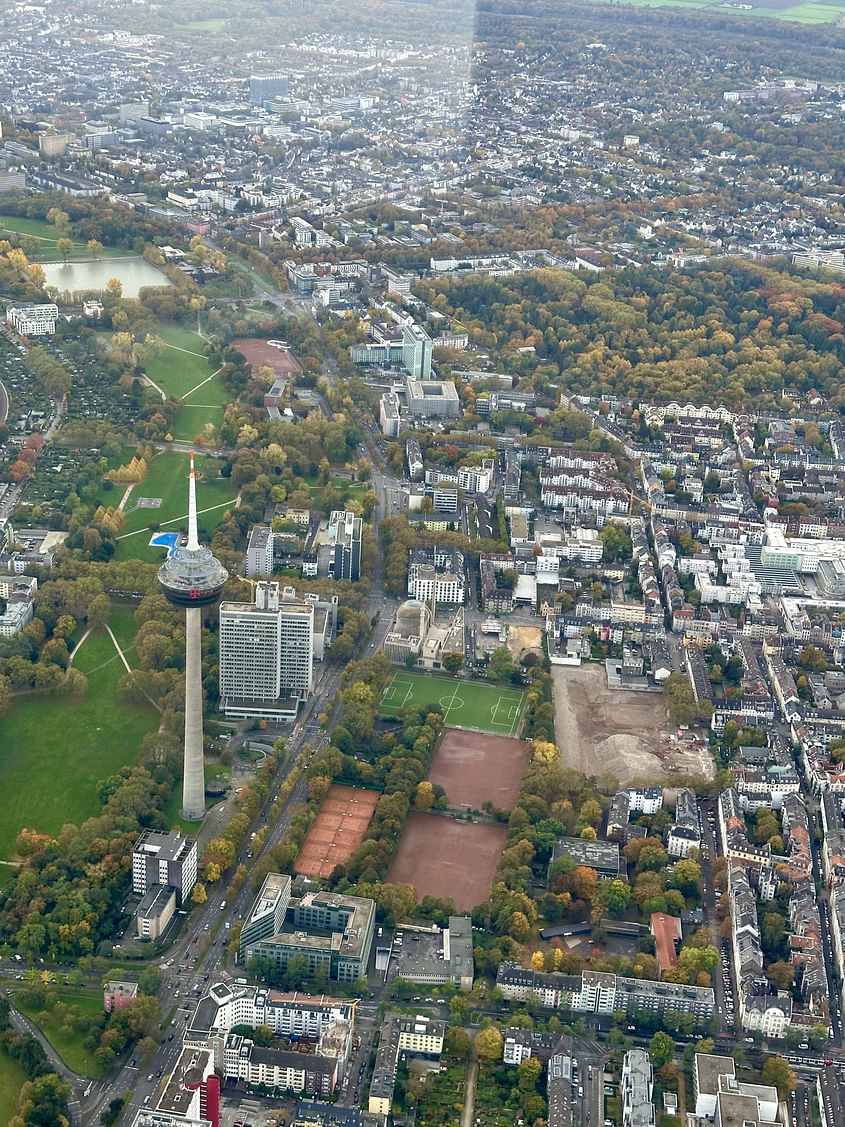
(266, 655)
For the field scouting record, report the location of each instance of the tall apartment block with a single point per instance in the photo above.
(264, 87)
(259, 552)
(345, 528)
(165, 859)
(266, 655)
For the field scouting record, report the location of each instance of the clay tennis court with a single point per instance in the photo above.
(337, 831)
(473, 768)
(441, 857)
(259, 352)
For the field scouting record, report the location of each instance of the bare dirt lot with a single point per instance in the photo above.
(441, 857)
(612, 731)
(523, 640)
(259, 352)
(473, 768)
(337, 831)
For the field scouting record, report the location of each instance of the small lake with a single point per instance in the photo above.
(134, 273)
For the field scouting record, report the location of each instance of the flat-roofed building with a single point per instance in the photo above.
(165, 859)
(267, 915)
(33, 320)
(155, 911)
(416, 351)
(266, 653)
(259, 552)
(334, 932)
(432, 399)
(345, 530)
(603, 856)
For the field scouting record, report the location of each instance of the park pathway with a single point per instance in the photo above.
(128, 667)
(177, 520)
(469, 1084)
(202, 383)
(126, 496)
(145, 379)
(76, 648)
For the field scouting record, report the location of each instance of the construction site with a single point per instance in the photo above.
(604, 731)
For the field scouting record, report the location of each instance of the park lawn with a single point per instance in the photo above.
(49, 236)
(180, 366)
(55, 750)
(95, 653)
(463, 704)
(192, 417)
(12, 1078)
(168, 479)
(50, 1022)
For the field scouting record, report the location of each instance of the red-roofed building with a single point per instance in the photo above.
(667, 933)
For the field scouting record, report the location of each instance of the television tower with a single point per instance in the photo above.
(192, 577)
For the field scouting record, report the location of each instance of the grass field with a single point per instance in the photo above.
(486, 708)
(168, 479)
(69, 1047)
(183, 372)
(79, 741)
(204, 25)
(181, 365)
(12, 1078)
(48, 237)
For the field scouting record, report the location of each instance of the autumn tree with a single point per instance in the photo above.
(489, 1044)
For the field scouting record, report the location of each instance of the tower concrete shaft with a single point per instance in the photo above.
(193, 780)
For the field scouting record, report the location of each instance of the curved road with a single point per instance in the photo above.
(23, 1025)
(4, 403)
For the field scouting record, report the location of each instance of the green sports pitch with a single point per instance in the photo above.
(462, 704)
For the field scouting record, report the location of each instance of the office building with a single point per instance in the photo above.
(259, 552)
(160, 859)
(416, 352)
(267, 915)
(334, 932)
(266, 655)
(345, 532)
(445, 956)
(33, 320)
(432, 399)
(722, 1099)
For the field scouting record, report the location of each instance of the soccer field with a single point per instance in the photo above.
(486, 708)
